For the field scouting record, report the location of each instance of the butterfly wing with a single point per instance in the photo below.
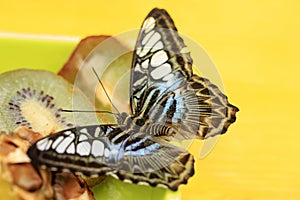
(84, 150)
(164, 89)
(160, 61)
(108, 150)
(155, 162)
(197, 109)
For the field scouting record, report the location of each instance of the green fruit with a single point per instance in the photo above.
(35, 99)
(114, 189)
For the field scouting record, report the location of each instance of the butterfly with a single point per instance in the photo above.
(168, 102)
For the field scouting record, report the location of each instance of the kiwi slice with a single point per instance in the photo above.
(35, 99)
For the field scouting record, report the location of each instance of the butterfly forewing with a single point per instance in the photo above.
(160, 60)
(164, 89)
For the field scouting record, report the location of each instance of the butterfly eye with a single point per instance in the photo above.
(121, 117)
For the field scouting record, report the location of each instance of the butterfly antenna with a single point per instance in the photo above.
(90, 111)
(104, 90)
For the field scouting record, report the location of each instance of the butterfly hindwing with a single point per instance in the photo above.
(98, 150)
(86, 150)
(196, 110)
(156, 162)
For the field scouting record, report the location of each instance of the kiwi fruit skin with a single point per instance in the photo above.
(80, 53)
(35, 98)
(111, 58)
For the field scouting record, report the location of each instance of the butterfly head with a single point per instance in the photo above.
(121, 117)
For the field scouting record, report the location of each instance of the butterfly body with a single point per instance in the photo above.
(168, 102)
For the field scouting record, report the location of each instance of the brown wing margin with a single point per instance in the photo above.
(215, 113)
(196, 110)
(167, 166)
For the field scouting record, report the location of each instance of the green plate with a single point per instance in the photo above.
(51, 53)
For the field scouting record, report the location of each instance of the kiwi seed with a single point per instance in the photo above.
(35, 99)
(21, 104)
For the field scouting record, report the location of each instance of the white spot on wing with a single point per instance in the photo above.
(82, 137)
(57, 141)
(112, 174)
(71, 149)
(168, 77)
(114, 151)
(49, 144)
(97, 148)
(67, 132)
(94, 175)
(97, 132)
(138, 68)
(143, 183)
(159, 58)
(161, 71)
(142, 51)
(148, 24)
(53, 169)
(146, 38)
(106, 152)
(157, 46)
(153, 40)
(42, 144)
(139, 82)
(84, 130)
(138, 50)
(184, 50)
(66, 170)
(127, 181)
(83, 148)
(61, 148)
(145, 64)
(164, 186)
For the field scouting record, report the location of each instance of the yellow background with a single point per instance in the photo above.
(255, 45)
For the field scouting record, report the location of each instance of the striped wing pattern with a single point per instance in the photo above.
(164, 89)
(160, 60)
(197, 110)
(167, 102)
(107, 150)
